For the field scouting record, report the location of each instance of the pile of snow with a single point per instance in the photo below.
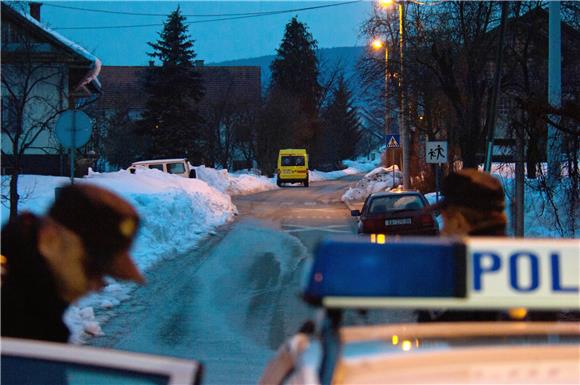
(235, 184)
(352, 167)
(167, 204)
(544, 216)
(379, 179)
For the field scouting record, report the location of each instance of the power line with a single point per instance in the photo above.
(228, 17)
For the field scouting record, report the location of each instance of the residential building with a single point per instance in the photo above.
(227, 89)
(43, 74)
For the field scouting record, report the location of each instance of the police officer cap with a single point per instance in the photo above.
(474, 189)
(106, 224)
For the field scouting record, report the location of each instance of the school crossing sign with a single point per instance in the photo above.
(436, 152)
(393, 140)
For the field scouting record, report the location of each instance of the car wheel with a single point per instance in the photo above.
(278, 183)
(306, 183)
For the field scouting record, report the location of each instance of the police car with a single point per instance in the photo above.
(473, 274)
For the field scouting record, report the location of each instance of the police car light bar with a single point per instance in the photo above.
(435, 273)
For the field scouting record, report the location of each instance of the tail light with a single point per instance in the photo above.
(426, 220)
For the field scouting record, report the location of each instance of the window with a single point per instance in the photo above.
(292, 161)
(8, 113)
(392, 203)
(46, 363)
(156, 166)
(175, 168)
(21, 370)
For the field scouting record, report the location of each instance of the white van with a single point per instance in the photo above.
(178, 166)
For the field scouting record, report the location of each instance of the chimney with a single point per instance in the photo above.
(35, 10)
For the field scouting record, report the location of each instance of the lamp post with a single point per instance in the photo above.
(378, 45)
(403, 131)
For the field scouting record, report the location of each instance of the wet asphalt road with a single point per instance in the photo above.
(231, 302)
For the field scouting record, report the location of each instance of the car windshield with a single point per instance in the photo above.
(395, 202)
(292, 161)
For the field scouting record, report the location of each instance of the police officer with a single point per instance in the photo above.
(473, 205)
(54, 260)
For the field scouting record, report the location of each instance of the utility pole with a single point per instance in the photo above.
(492, 110)
(554, 91)
(519, 183)
(403, 108)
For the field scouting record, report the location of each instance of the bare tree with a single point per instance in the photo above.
(32, 99)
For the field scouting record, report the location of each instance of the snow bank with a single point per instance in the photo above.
(544, 216)
(378, 179)
(352, 167)
(168, 205)
(235, 184)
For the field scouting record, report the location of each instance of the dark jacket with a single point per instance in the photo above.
(31, 307)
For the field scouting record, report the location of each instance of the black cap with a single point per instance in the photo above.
(106, 224)
(472, 188)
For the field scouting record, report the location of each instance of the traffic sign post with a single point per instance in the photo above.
(73, 130)
(436, 152)
(393, 141)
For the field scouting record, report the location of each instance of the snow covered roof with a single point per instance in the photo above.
(63, 42)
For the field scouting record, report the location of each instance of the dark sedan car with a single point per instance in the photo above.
(396, 213)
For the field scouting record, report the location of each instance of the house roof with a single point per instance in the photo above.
(124, 83)
(75, 51)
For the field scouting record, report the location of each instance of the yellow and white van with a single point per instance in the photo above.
(292, 167)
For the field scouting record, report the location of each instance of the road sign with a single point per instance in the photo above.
(393, 140)
(73, 129)
(436, 152)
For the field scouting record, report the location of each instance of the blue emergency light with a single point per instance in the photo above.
(433, 268)
(428, 272)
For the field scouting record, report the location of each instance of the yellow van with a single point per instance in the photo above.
(292, 167)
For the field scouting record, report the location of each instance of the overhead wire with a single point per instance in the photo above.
(226, 17)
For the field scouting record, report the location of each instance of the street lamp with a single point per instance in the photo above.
(403, 131)
(377, 45)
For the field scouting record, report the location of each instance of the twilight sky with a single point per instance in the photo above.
(336, 26)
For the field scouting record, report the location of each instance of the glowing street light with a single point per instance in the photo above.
(403, 131)
(386, 3)
(377, 44)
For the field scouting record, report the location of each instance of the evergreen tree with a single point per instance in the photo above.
(342, 129)
(295, 77)
(171, 120)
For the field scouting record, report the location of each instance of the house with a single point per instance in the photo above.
(525, 82)
(43, 74)
(226, 88)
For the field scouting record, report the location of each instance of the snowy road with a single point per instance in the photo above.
(233, 301)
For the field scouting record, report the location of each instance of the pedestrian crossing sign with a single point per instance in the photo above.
(393, 140)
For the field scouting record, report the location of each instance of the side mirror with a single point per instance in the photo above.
(192, 173)
(132, 170)
(355, 213)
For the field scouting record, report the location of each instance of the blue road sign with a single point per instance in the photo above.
(393, 140)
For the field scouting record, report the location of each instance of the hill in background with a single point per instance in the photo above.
(330, 59)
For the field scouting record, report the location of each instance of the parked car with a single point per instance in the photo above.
(396, 213)
(354, 277)
(178, 166)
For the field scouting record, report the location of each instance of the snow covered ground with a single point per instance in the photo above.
(543, 214)
(167, 204)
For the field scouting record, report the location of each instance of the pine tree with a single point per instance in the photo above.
(341, 124)
(295, 76)
(171, 120)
